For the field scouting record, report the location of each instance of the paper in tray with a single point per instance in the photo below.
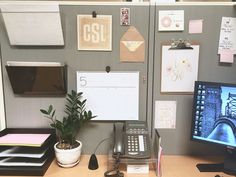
(22, 152)
(17, 139)
(22, 161)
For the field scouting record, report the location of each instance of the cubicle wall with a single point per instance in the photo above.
(24, 111)
(177, 141)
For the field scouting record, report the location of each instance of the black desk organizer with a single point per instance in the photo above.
(31, 170)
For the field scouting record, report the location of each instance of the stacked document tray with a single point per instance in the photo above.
(27, 152)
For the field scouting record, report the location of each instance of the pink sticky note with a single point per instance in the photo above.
(23, 139)
(195, 26)
(226, 56)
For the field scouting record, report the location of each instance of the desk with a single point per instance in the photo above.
(172, 166)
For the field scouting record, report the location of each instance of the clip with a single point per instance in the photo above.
(180, 44)
(108, 69)
(94, 14)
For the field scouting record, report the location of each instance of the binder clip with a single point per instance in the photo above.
(94, 14)
(180, 44)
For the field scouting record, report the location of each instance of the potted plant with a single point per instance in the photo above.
(68, 149)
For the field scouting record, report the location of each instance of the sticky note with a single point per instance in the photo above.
(226, 56)
(195, 26)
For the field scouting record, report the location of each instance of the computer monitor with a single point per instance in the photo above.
(214, 119)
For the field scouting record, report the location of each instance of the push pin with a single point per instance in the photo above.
(94, 14)
(108, 69)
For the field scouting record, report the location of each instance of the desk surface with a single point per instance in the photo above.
(172, 166)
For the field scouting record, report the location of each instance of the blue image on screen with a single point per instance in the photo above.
(215, 114)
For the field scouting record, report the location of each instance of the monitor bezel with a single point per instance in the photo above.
(194, 110)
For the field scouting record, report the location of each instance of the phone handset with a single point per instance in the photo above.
(118, 150)
(118, 138)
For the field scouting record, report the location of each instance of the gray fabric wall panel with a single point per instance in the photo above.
(24, 111)
(177, 141)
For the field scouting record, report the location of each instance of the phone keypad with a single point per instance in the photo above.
(136, 137)
(133, 147)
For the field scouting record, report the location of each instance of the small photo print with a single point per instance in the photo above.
(125, 16)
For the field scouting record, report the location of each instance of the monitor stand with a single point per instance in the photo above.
(228, 167)
(230, 163)
(210, 167)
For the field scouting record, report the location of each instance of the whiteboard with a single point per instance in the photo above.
(110, 96)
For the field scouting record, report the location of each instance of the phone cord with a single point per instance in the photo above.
(115, 171)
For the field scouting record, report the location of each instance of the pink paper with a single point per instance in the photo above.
(226, 56)
(195, 26)
(23, 139)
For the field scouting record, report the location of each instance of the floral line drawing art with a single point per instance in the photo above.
(177, 70)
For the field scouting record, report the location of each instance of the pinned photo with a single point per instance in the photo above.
(125, 16)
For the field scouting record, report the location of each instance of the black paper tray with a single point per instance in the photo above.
(30, 170)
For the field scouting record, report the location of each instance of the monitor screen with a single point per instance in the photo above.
(214, 113)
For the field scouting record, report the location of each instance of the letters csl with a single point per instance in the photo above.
(94, 33)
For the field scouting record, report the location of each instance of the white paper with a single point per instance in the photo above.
(18, 151)
(165, 114)
(227, 42)
(28, 162)
(110, 96)
(228, 34)
(171, 20)
(138, 169)
(179, 69)
(33, 24)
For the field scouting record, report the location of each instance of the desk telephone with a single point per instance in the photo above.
(131, 140)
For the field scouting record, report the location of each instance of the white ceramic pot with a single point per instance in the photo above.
(68, 157)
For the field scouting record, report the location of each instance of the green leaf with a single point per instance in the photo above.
(84, 101)
(79, 102)
(50, 109)
(43, 111)
(53, 113)
(69, 100)
(89, 113)
(52, 125)
(70, 97)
